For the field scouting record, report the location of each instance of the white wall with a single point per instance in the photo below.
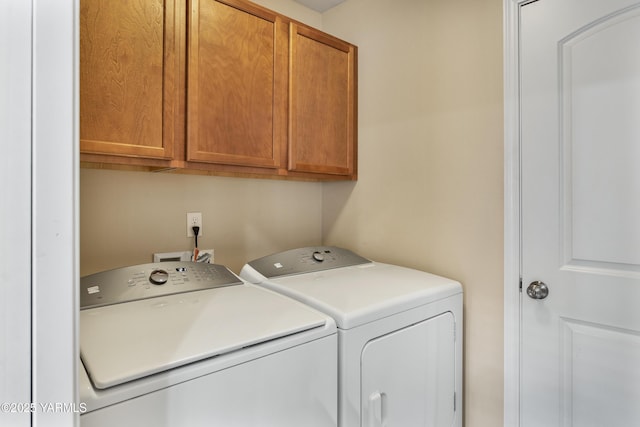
(430, 187)
(293, 10)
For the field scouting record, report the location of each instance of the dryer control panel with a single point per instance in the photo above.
(306, 260)
(151, 280)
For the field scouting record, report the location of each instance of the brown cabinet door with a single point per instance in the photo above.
(128, 77)
(322, 106)
(236, 92)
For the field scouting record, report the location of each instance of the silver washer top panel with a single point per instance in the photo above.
(151, 280)
(306, 260)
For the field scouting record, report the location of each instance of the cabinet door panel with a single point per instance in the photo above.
(128, 69)
(236, 91)
(322, 103)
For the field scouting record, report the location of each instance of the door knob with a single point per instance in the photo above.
(537, 290)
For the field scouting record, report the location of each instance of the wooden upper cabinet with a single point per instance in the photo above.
(129, 71)
(214, 86)
(237, 86)
(322, 104)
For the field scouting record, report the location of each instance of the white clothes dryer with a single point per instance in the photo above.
(191, 344)
(399, 333)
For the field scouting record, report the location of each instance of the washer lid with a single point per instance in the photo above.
(360, 294)
(127, 341)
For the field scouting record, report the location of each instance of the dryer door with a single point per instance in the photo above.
(408, 376)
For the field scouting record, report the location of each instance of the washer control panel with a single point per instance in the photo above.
(151, 280)
(306, 260)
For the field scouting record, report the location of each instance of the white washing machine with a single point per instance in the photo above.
(399, 333)
(191, 344)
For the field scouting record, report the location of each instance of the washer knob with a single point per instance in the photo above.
(159, 277)
(318, 256)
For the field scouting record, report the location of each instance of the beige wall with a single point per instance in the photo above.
(430, 186)
(429, 193)
(127, 216)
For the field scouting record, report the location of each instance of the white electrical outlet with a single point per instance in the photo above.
(194, 219)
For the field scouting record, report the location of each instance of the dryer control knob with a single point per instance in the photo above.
(318, 256)
(159, 277)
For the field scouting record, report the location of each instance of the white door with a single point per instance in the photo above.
(15, 212)
(580, 172)
(410, 388)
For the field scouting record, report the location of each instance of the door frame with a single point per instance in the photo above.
(512, 217)
(40, 141)
(55, 211)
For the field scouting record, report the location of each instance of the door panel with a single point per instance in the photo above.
(580, 146)
(128, 72)
(601, 133)
(410, 388)
(322, 132)
(600, 365)
(236, 95)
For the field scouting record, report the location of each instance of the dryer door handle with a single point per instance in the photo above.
(377, 409)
